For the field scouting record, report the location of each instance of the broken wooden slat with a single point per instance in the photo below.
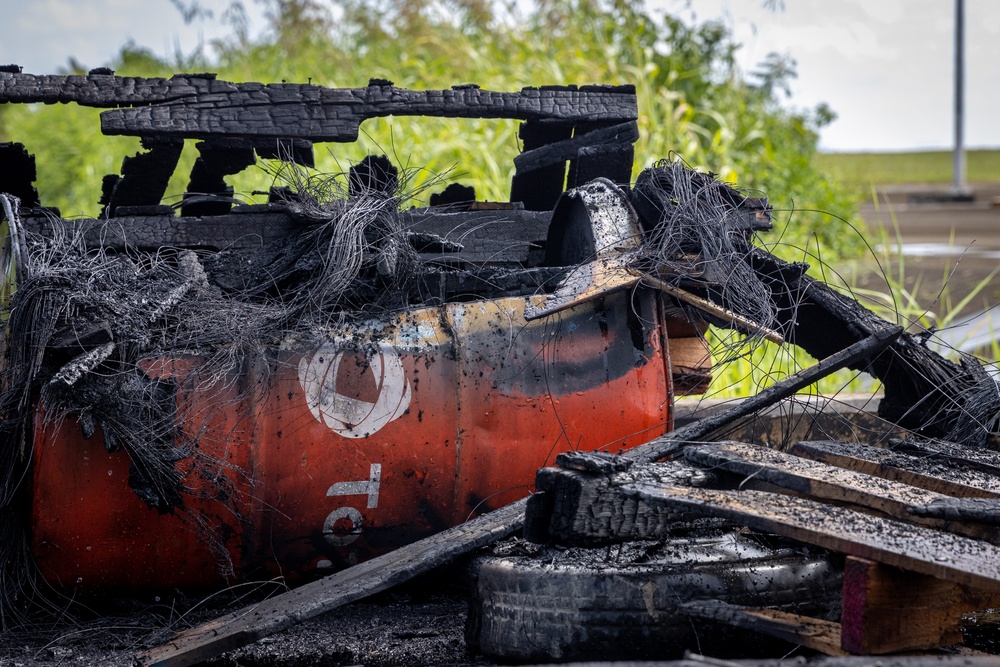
(983, 510)
(560, 151)
(666, 444)
(822, 481)
(275, 614)
(924, 392)
(949, 453)
(888, 610)
(814, 633)
(965, 561)
(737, 321)
(920, 471)
(201, 106)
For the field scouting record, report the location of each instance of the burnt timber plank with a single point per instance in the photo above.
(949, 453)
(814, 633)
(888, 610)
(920, 471)
(484, 236)
(759, 465)
(201, 106)
(560, 151)
(924, 392)
(282, 611)
(245, 230)
(954, 558)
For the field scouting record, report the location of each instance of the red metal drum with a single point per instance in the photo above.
(353, 444)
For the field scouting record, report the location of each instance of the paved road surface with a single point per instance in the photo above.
(953, 242)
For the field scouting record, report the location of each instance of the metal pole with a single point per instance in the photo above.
(958, 168)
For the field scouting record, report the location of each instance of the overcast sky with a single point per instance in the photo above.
(884, 66)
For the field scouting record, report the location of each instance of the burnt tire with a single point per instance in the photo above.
(621, 603)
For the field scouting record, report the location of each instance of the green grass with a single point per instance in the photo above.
(865, 169)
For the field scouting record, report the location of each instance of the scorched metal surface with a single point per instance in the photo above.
(355, 443)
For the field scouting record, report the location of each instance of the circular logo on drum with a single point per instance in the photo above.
(355, 392)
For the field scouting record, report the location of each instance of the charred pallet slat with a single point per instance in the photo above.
(201, 106)
(920, 471)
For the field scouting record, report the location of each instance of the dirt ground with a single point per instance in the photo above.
(419, 624)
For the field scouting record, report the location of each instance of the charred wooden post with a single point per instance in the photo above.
(924, 392)
(17, 173)
(889, 610)
(207, 192)
(144, 178)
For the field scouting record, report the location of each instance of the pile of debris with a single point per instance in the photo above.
(440, 356)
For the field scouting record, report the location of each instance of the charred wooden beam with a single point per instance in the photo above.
(924, 392)
(624, 134)
(144, 177)
(201, 106)
(945, 476)
(540, 189)
(888, 610)
(17, 174)
(499, 236)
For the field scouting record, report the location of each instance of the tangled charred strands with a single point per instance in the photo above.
(697, 237)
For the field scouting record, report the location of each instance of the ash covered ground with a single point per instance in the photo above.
(419, 624)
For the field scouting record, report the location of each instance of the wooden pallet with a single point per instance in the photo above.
(920, 529)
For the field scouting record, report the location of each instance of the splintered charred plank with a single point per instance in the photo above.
(924, 392)
(201, 106)
(888, 610)
(698, 431)
(926, 472)
(814, 633)
(507, 236)
(951, 454)
(587, 507)
(235, 231)
(946, 556)
(759, 465)
(982, 510)
(378, 574)
(560, 151)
